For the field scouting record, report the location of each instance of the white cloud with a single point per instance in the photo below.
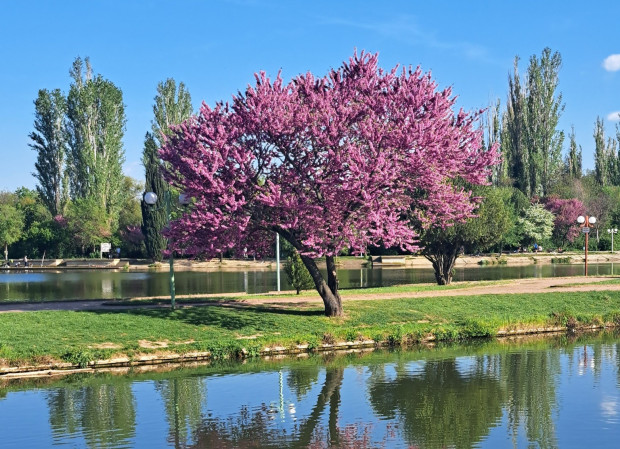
(612, 63)
(613, 116)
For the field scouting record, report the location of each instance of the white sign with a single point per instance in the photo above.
(585, 230)
(106, 247)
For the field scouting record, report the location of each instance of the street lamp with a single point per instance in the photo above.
(150, 198)
(585, 223)
(612, 231)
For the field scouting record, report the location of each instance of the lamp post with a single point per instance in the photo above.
(612, 231)
(585, 223)
(150, 198)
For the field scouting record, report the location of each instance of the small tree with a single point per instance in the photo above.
(297, 273)
(442, 244)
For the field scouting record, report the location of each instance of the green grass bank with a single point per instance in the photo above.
(65, 339)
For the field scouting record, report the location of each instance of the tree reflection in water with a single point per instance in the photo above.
(254, 429)
(466, 398)
(183, 402)
(103, 413)
(439, 406)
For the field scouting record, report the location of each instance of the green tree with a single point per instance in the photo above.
(513, 144)
(153, 218)
(487, 228)
(536, 224)
(38, 233)
(297, 273)
(601, 155)
(544, 107)
(87, 222)
(129, 235)
(11, 226)
(531, 142)
(49, 140)
(172, 106)
(573, 159)
(96, 124)
(493, 133)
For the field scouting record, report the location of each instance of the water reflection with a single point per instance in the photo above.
(103, 414)
(441, 406)
(97, 284)
(546, 393)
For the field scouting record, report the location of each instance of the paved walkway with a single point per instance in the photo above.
(532, 285)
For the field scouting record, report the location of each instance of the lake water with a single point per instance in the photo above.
(96, 284)
(555, 392)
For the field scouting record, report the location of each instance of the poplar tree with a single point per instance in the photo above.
(96, 124)
(601, 159)
(544, 107)
(532, 144)
(172, 106)
(492, 136)
(49, 140)
(573, 159)
(513, 144)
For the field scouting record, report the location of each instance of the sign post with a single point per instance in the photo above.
(104, 248)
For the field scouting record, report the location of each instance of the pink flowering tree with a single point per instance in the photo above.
(347, 160)
(566, 211)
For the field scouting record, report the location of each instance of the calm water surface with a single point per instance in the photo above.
(50, 286)
(558, 392)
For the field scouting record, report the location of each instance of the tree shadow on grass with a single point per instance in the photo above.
(232, 318)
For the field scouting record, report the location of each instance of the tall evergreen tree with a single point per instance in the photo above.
(153, 219)
(544, 107)
(96, 124)
(573, 159)
(49, 140)
(171, 107)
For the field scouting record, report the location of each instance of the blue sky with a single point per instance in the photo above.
(216, 46)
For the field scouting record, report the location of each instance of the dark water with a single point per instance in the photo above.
(95, 284)
(556, 392)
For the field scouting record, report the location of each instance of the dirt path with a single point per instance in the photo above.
(532, 285)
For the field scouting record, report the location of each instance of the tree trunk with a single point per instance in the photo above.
(327, 290)
(443, 264)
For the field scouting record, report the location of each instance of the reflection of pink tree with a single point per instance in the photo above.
(328, 163)
(565, 227)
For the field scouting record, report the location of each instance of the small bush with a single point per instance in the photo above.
(560, 260)
(474, 328)
(79, 357)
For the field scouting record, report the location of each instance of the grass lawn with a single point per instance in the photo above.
(83, 336)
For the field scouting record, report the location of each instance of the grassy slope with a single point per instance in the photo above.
(78, 336)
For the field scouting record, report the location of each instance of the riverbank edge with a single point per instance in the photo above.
(180, 359)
